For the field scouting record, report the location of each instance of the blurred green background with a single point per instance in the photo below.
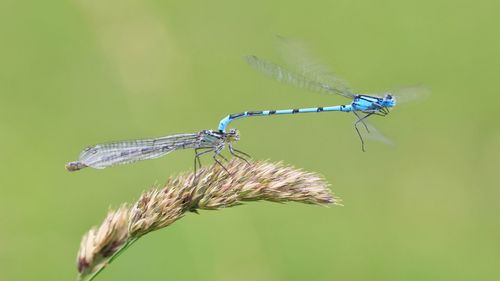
(75, 73)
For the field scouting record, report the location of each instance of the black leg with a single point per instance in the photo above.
(360, 119)
(363, 118)
(366, 127)
(223, 158)
(197, 159)
(381, 110)
(241, 152)
(218, 162)
(234, 151)
(360, 137)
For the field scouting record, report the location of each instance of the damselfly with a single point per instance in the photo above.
(362, 105)
(101, 156)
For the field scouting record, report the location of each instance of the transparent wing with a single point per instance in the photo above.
(123, 152)
(410, 94)
(297, 55)
(407, 94)
(375, 135)
(298, 80)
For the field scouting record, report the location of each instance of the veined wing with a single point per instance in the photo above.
(375, 135)
(407, 94)
(299, 80)
(298, 56)
(123, 152)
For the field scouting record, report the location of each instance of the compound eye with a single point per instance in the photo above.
(389, 97)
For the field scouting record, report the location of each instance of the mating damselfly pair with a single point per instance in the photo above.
(214, 141)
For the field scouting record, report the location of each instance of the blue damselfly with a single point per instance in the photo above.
(362, 105)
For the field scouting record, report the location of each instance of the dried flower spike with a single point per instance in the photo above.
(214, 188)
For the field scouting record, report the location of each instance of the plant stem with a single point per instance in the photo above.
(111, 259)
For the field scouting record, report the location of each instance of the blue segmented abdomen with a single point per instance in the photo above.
(228, 119)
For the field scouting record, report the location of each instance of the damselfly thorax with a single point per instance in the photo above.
(372, 104)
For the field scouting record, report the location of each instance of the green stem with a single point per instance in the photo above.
(110, 260)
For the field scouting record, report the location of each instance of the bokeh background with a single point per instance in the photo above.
(75, 73)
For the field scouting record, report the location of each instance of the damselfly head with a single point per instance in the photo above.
(389, 100)
(232, 135)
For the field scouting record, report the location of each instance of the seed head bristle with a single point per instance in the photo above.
(101, 243)
(212, 188)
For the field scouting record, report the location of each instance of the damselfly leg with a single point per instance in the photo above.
(238, 154)
(197, 165)
(223, 157)
(197, 155)
(381, 110)
(197, 160)
(361, 119)
(218, 162)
